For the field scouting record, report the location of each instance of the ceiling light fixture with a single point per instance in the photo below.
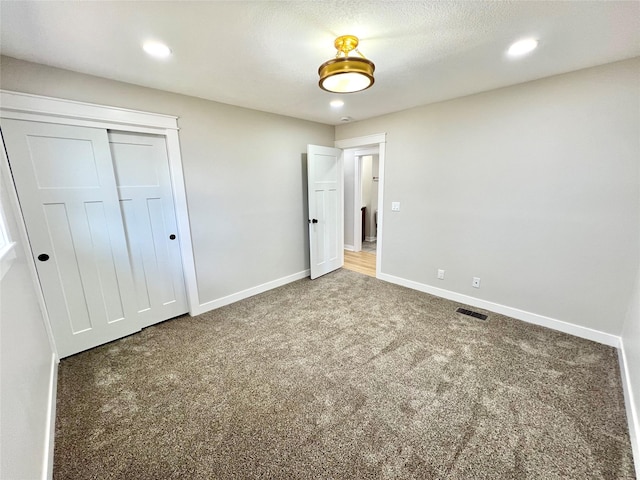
(157, 49)
(522, 47)
(336, 103)
(345, 74)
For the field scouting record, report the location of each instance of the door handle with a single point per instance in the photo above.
(172, 237)
(43, 257)
(315, 220)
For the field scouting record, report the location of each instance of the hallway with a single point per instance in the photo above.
(361, 262)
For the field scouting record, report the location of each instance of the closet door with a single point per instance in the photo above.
(146, 200)
(67, 192)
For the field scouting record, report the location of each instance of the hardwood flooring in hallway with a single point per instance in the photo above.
(361, 262)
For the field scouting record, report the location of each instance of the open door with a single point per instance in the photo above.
(326, 209)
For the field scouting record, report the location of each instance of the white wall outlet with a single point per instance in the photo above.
(441, 274)
(395, 206)
(476, 282)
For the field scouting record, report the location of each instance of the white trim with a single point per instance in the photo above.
(250, 292)
(350, 248)
(182, 219)
(562, 326)
(50, 432)
(22, 106)
(370, 239)
(380, 228)
(630, 406)
(365, 141)
(367, 152)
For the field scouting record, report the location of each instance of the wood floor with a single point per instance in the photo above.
(361, 262)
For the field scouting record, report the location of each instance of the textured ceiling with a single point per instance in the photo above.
(265, 55)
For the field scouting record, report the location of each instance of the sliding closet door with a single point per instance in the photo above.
(67, 191)
(146, 200)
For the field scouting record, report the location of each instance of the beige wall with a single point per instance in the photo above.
(244, 174)
(533, 188)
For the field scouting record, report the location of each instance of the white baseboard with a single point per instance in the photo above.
(351, 248)
(249, 292)
(370, 239)
(632, 413)
(570, 328)
(50, 433)
(566, 327)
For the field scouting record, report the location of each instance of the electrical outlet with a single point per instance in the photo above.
(476, 282)
(441, 274)
(395, 206)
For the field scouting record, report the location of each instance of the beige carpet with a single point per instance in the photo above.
(344, 377)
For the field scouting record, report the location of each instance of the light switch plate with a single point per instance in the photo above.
(395, 206)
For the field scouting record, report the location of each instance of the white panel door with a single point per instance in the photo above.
(146, 200)
(67, 192)
(326, 210)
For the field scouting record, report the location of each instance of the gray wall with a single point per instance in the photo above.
(534, 188)
(25, 365)
(244, 173)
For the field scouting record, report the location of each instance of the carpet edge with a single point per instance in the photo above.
(249, 292)
(529, 317)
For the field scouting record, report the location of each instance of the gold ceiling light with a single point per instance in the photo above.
(345, 74)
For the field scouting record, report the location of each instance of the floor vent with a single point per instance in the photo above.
(471, 313)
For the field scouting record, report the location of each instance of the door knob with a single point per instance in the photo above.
(43, 257)
(172, 237)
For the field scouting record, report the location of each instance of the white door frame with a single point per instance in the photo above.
(36, 108)
(379, 140)
(357, 194)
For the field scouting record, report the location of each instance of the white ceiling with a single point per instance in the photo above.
(265, 54)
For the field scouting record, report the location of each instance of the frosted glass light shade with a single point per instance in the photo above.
(346, 75)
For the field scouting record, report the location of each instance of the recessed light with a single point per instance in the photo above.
(522, 47)
(157, 49)
(336, 103)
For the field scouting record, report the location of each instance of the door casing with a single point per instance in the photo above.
(364, 144)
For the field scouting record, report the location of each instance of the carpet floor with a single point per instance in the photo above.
(343, 377)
